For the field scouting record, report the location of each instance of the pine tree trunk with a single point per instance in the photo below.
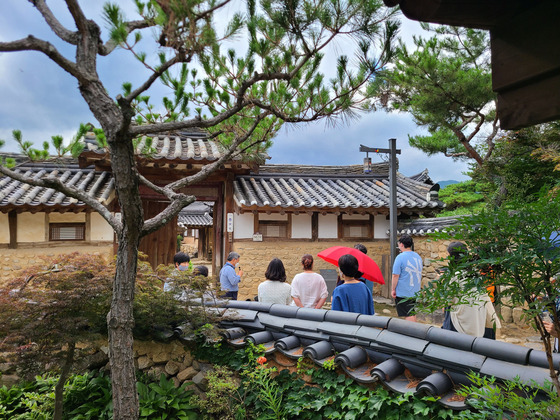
(120, 319)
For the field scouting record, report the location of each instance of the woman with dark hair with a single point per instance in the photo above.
(274, 289)
(309, 289)
(352, 295)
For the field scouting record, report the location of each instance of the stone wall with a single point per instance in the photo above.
(173, 359)
(13, 261)
(255, 257)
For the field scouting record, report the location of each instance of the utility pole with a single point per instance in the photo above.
(392, 151)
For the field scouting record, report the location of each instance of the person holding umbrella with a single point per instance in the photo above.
(353, 295)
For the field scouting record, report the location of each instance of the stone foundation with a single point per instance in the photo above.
(174, 360)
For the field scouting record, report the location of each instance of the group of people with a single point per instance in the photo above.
(308, 289)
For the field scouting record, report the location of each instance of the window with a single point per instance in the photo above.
(356, 228)
(67, 231)
(273, 228)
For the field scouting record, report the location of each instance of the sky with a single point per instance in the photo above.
(42, 100)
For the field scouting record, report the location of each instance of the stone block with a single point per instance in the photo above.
(176, 382)
(161, 357)
(172, 367)
(187, 359)
(507, 314)
(157, 371)
(144, 362)
(200, 381)
(517, 315)
(187, 374)
(9, 380)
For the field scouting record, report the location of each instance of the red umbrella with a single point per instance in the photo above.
(367, 266)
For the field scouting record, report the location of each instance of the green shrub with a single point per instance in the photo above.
(512, 399)
(162, 400)
(88, 397)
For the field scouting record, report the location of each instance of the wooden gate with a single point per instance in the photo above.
(161, 245)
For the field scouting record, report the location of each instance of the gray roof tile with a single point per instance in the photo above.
(99, 185)
(174, 146)
(327, 191)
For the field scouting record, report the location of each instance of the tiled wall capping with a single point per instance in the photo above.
(436, 384)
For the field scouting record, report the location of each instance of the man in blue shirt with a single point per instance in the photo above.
(407, 275)
(229, 280)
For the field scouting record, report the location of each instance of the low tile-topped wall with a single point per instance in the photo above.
(403, 356)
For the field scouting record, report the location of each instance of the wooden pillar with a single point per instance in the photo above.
(12, 225)
(218, 216)
(315, 226)
(228, 199)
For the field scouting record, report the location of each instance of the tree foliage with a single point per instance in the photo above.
(45, 313)
(445, 84)
(465, 197)
(523, 163)
(521, 250)
(240, 98)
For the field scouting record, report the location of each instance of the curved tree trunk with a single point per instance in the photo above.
(120, 319)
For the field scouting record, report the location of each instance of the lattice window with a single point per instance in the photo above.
(357, 229)
(273, 228)
(67, 231)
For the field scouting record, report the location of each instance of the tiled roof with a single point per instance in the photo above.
(421, 227)
(173, 147)
(99, 185)
(327, 189)
(197, 214)
(403, 356)
(423, 176)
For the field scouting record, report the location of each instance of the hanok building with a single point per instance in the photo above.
(260, 211)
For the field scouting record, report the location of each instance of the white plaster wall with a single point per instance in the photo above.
(380, 227)
(243, 225)
(301, 226)
(4, 229)
(67, 217)
(328, 226)
(100, 229)
(31, 227)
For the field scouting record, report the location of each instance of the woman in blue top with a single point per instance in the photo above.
(353, 295)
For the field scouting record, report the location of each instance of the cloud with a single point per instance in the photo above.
(42, 100)
(318, 144)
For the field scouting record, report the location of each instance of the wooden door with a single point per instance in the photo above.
(161, 245)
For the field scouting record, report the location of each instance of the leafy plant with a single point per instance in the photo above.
(163, 400)
(222, 400)
(512, 399)
(521, 248)
(269, 399)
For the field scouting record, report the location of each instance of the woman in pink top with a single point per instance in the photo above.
(309, 289)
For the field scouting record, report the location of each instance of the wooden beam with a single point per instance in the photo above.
(481, 14)
(315, 226)
(12, 226)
